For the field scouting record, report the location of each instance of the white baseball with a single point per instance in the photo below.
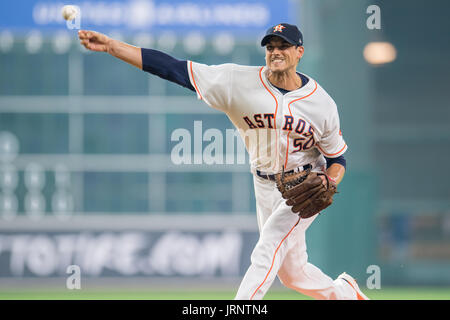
(69, 12)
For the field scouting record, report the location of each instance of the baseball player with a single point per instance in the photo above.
(289, 125)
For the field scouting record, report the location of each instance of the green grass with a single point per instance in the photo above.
(140, 294)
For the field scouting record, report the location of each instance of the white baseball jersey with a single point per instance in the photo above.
(289, 130)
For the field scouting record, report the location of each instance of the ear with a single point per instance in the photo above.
(300, 51)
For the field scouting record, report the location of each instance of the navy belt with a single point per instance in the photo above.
(272, 176)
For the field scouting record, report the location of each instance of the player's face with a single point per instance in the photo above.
(281, 55)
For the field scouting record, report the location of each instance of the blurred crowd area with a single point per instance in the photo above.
(85, 135)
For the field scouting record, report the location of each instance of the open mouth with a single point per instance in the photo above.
(277, 60)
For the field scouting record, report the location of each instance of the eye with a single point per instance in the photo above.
(269, 48)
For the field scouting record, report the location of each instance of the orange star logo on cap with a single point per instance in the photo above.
(278, 28)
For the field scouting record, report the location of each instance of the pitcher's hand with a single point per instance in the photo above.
(94, 41)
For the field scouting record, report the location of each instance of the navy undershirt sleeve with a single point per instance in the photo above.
(166, 67)
(341, 160)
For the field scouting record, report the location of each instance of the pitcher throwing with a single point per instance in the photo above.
(291, 130)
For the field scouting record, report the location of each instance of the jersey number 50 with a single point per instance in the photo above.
(305, 142)
(300, 144)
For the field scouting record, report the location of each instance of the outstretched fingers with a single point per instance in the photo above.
(84, 37)
(83, 34)
(92, 40)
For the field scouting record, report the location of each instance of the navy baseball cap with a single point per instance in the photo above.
(286, 31)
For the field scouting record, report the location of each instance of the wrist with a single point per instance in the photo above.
(111, 46)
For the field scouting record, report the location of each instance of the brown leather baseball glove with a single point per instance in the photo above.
(305, 191)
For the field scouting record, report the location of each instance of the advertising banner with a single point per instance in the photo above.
(244, 17)
(126, 253)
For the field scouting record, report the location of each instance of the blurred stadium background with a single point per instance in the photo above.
(86, 176)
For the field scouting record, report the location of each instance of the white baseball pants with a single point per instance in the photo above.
(281, 250)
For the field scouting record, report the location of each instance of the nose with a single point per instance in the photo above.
(276, 50)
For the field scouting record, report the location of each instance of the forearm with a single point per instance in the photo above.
(125, 52)
(336, 172)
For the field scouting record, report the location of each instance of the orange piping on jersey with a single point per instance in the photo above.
(276, 101)
(276, 108)
(331, 154)
(273, 259)
(289, 106)
(193, 80)
(358, 296)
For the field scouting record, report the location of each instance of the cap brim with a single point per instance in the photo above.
(267, 37)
